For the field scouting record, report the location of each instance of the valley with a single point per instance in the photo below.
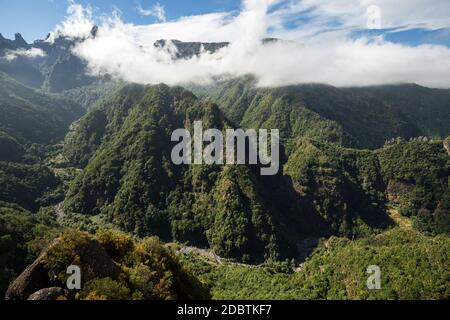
(86, 175)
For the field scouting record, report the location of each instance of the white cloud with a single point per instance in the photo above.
(157, 11)
(322, 50)
(352, 14)
(11, 55)
(77, 24)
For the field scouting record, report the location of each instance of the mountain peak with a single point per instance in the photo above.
(20, 41)
(94, 31)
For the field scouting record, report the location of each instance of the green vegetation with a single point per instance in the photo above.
(242, 282)
(31, 122)
(250, 107)
(10, 148)
(344, 187)
(131, 178)
(359, 117)
(31, 116)
(29, 186)
(22, 236)
(88, 96)
(138, 270)
(417, 176)
(334, 208)
(124, 146)
(413, 266)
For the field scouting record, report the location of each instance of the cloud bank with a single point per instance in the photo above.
(77, 24)
(318, 46)
(26, 53)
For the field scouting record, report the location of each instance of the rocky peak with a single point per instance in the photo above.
(94, 31)
(20, 41)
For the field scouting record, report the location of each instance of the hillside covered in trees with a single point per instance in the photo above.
(355, 117)
(30, 116)
(363, 180)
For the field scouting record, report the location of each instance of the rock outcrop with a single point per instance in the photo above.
(447, 145)
(35, 282)
(32, 279)
(52, 293)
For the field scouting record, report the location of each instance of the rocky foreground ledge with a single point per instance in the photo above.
(39, 282)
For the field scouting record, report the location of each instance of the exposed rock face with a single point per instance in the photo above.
(56, 71)
(48, 294)
(36, 276)
(17, 43)
(447, 145)
(32, 279)
(20, 41)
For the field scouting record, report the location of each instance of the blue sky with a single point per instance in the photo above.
(35, 18)
(413, 37)
(337, 42)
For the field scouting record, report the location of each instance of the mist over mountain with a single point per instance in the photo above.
(86, 175)
(43, 64)
(52, 65)
(359, 117)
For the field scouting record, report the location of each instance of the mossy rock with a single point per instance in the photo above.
(49, 269)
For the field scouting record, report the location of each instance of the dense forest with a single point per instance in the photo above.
(355, 117)
(86, 178)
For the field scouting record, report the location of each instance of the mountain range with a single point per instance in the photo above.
(57, 69)
(364, 168)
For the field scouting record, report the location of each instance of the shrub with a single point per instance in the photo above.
(117, 244)
(105, 289)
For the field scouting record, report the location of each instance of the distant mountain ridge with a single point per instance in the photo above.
(60, 70)
(30, 116)
(363, 117)
(15, 44)
(57, 70)
(123, 147)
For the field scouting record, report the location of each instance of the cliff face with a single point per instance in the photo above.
(39, 280)
(447, 145)
(113, 266)
(55, 68)
(18, 42)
